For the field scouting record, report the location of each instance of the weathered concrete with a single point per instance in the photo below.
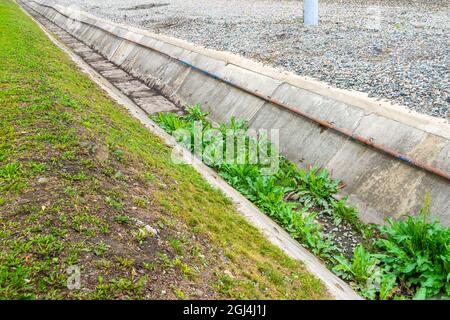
(379, 185)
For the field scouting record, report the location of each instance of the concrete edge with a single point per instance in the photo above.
(272, 231)
(426, 123)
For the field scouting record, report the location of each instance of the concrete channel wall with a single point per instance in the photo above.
(379, 185)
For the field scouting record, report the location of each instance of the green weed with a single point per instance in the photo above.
(114, 203)
(417, 252)
(10, 171)
(413, 254)
(123, 219)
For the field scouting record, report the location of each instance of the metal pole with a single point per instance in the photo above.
(310, 12)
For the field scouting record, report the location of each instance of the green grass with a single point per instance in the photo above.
(63, 202)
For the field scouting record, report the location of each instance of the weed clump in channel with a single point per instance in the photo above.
(412, 257)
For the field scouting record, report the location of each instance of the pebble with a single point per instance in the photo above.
(147, 227)
(228, 273)
(198, 293)
(42, 180)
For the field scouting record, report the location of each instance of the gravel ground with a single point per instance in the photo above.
(392, 49)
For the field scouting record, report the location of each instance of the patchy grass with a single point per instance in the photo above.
(77, 173)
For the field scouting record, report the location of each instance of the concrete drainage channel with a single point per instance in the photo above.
(380, 184)
(133, 93)
(415, 155)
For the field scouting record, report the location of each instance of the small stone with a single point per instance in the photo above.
(228, 273)
(151, 230)
(42, 180)
(147, 227)
(198, 293)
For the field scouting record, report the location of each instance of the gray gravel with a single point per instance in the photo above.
(392, 49)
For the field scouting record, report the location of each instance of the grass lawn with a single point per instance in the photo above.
(84, 185)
